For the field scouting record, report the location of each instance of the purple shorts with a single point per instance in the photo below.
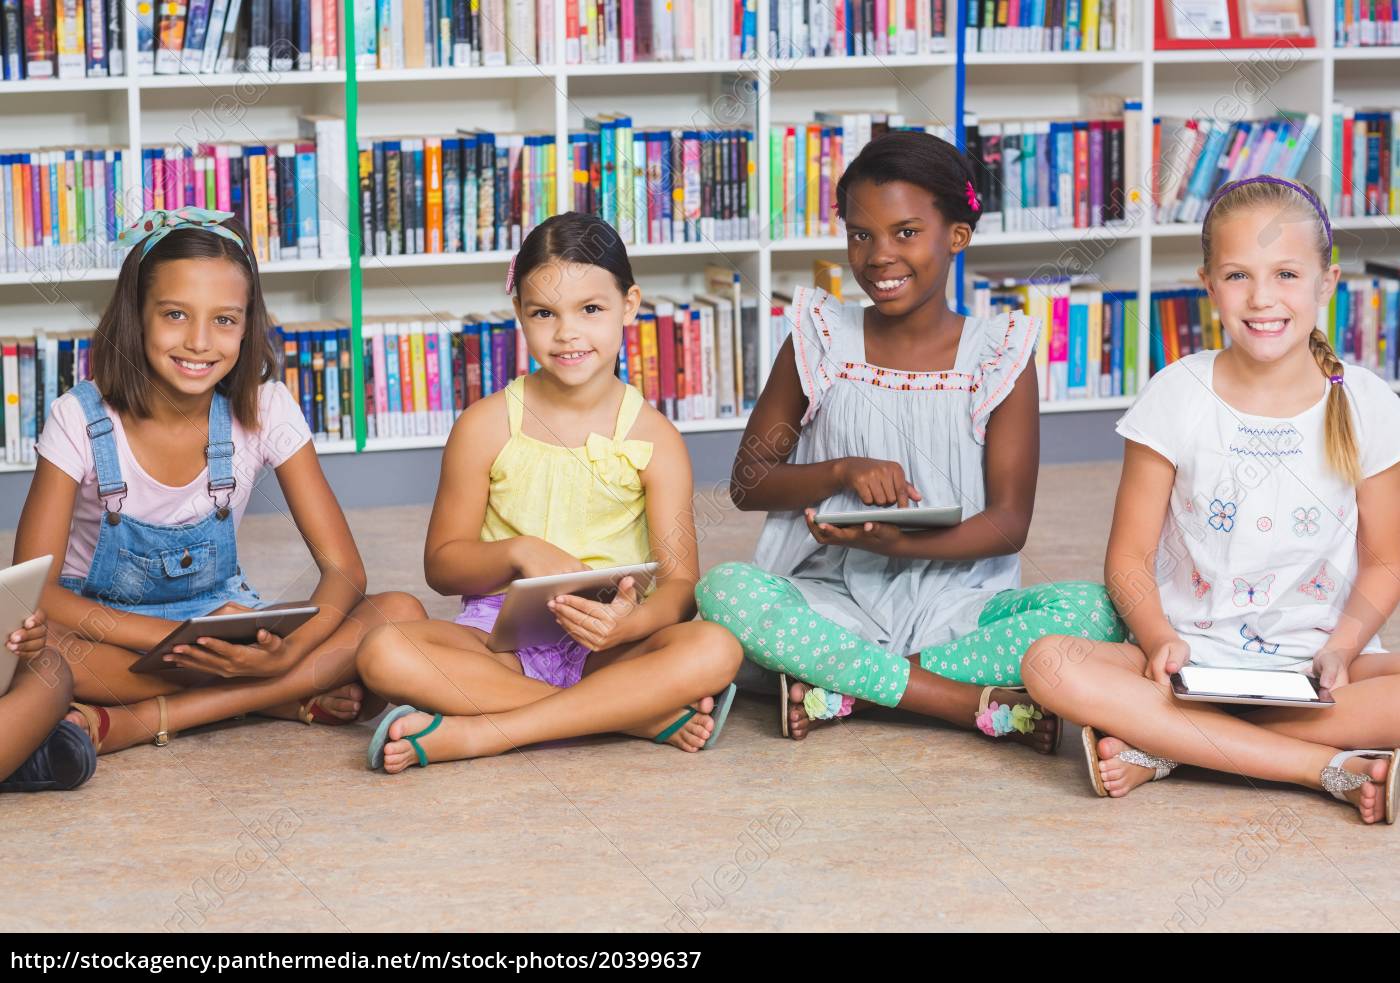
(560, 664)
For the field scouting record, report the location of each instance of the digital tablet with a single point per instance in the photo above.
(20, 587)
(525, 619)
(240, 628)
(913, 517)
(1258, 687)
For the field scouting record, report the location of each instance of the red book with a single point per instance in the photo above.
(330, 28)
(1081, 177)
(666, 356)
(632, 336)
(471, 340)
(1347, 188)
(40, 48)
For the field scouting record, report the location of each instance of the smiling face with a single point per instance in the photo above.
(899, 245)
(1267, 279)
(194, 315)
(573, 315)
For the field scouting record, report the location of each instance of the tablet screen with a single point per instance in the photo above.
(1248, 682)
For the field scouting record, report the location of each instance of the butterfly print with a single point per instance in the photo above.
(1254, 643)
(1256, 593)
(1319, 585)
(1199, 584)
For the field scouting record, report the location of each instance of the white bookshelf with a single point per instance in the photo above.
(133, 111)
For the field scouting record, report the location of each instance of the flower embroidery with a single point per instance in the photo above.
(1305, 520)
(1255, 593)
(1253, 642)
(1319, 585)
(1222, 515)
(1265, 523)
(1203, 625)
(1199, 584)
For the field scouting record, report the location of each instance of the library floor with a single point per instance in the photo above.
(878, 824)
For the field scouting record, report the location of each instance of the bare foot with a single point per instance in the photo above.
(1047, 728)
(343, 703)
(693, 733)
(1119, 777)
(1369, 799)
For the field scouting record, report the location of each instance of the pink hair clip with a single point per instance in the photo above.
(972, 201)
(510, 277)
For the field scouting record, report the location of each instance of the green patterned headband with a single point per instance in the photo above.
(157, 223)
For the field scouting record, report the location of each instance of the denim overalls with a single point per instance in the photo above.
(171, 572)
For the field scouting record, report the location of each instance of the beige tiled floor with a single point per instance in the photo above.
(878, 824)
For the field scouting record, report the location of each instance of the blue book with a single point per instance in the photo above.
(305, 383)
(488, 375)
(1076, 381)
(308, 235)
(330, 346)
(196, 33)
(392, 388)
(1198, 190)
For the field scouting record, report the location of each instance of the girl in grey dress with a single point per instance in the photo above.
(904, 402)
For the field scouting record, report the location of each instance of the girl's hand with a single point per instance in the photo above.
(29, 639)
(533, 557)
(873, 537)
(270, 656)
(877, 482)
(1331, 669)
(595, 625)
(1167, 659)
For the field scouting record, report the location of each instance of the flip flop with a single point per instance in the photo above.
(721, 713)
(65, 760)
(381, 737)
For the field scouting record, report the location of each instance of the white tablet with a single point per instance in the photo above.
(20, 588)
(239, 628)
(913, 517)
(1259, 687)
(525, 619)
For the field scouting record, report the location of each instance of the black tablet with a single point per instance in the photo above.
(240, 628)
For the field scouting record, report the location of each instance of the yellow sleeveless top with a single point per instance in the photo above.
(588, 500)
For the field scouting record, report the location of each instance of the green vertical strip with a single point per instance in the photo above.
(352, 180)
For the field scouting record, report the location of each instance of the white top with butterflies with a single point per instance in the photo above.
(1258, 550)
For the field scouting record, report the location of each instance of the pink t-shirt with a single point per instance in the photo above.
(65, 444)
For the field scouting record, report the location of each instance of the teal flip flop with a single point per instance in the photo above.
(720, 713)
(381, 737)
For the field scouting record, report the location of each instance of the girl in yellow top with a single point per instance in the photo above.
(564, 470)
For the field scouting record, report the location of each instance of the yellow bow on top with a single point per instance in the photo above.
(610, 457)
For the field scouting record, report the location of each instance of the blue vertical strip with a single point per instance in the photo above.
(959, 103)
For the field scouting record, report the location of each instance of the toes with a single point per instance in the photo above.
(1109, 748)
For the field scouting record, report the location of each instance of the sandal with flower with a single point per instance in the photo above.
(1000, 719)
(818, 704)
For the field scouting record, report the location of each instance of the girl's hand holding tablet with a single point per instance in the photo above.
(271, 656)
(28, 639)
(873, 537)
(595, 625)
(1166, 659)
(877, 482)
(1331, 669)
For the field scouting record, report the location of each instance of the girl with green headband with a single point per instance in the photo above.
(144, 472)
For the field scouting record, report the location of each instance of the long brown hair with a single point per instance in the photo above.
(118, 347)
(1339, 431)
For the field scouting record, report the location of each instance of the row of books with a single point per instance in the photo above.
(1193, 157)
(1362, 23)
(1183, 321)
(35, 371)
(461, 33)
(315, 358)
(45, 39)
(807, 159)
(1050, 25)
(610, 32)
(1088, 347)
(855, 28)
(286, 194)
(61, 210)
(666, 185)
(1363, 319)
(1054, 174)
(1365, 161)
(206, 36)
(469, 193)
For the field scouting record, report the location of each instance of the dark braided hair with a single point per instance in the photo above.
(920, 159)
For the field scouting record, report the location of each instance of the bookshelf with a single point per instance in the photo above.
(132, 111)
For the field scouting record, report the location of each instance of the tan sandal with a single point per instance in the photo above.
(985, 722)
(163, 735)
(1089, 738)
(97, 721)
(311, 712)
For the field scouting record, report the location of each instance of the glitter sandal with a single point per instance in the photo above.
(1337, 780)
(1162, 766)
(999, 719)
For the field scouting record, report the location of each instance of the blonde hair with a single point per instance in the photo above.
(1299, 200)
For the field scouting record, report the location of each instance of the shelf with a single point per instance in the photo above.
(57, 274)
(710, 247)
(806, 64)
(808, 244)
(1363, 222)
(1230, 56)
(747, 67)
(1086, 405)
(1177, 230)
(409, 261)
(370, 76)
(32, 86)
(1379, 52)
(228, 80)
(303, 265)
(1054, 236)
(1053, 58)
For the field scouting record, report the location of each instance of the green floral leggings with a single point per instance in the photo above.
(781, 633)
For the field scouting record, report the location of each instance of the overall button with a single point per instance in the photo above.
(186, 560)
